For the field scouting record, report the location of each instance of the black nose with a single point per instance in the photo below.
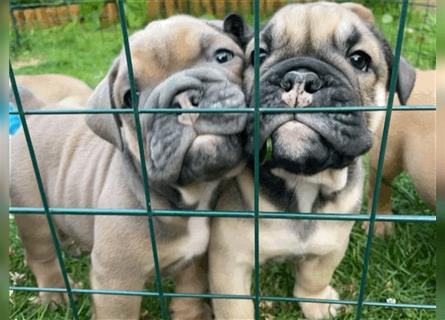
(188, 99)
(312, 83)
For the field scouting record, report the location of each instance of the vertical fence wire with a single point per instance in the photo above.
(256, 13)
(134, 96)
(42, 192)
(378, 180)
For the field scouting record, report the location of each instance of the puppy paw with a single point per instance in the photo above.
(190, 309)
(381, 229)
(318, 311)
(51, 299)
(55, 299)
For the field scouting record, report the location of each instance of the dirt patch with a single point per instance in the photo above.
(26, 63)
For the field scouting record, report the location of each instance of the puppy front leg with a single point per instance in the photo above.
(193, 279)
(41, 256)
(392, 167)
(230, 271)
(313, 276)
(120, 260)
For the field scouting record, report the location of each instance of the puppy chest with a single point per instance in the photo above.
(197, 239)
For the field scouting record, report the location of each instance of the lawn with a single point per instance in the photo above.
(402, 266)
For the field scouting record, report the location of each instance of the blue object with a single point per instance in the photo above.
(14, 121)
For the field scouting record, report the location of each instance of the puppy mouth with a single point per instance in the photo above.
(209, 157)
(310, 143)
(295, 147)
(189, 146)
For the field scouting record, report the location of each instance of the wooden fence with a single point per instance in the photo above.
(47, 16)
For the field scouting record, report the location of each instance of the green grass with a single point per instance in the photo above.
(402, 266)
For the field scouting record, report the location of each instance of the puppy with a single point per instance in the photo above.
(314, 163)
(56, 89)
(180, 62)
(411, 148)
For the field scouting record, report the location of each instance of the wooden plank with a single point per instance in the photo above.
(30, 18)
(74, 11)
(40, 18)
(109, 14)
(19, 18)
(270, 7)
(220, 8)
(153, 9)
(63, 14)
(182, 6)
(263, 7)
(279, 4)
(195, 8)
(208, 7)
(234, 6)
(169, 7)
(50, 16)
(245, 7)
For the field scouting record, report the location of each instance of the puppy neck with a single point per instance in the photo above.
(295, 192)
(203, 195)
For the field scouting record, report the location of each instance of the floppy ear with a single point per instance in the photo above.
(406, 79)
(406, 76)
(235, 25)
(360, 10)
(105, 126)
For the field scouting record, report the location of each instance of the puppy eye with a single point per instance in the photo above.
(360, 60)
(223, 55)
(263, 56)
(128, 100)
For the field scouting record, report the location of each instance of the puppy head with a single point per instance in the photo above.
(322, 54)
(182, 63)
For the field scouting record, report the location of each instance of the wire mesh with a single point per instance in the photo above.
(256, 214)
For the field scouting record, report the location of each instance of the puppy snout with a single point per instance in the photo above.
(188, 100)
(299, 87)
(309, 81)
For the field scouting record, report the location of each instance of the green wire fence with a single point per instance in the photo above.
(256, 214)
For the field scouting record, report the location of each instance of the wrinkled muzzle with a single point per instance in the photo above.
(308, 143)
(186, 147)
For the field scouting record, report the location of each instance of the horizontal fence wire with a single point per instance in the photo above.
(227, 214)
(226, 110)
(226, 296)
(256, 214)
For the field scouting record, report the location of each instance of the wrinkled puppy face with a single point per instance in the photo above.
(184, 63)
(319, 54)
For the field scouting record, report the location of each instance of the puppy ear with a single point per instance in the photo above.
(406, 76)
(105, 126)
(406, 79)
(360, 10)
(235, 25)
